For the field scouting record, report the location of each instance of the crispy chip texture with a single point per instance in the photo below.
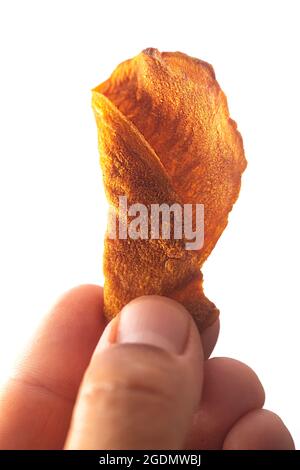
(165, 136)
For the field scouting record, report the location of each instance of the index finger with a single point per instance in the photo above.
(36, 405)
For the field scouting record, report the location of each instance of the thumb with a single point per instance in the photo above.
(144, 381)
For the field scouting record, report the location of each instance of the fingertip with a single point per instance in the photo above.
(209, 338)
(230, 390)
(230, 371)
(259, 430)
(82, 296)
(80, 307)
(63, 345)
(147, 368)
(108, 336)
(163, 323)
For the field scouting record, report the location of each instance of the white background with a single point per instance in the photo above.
(52, 204)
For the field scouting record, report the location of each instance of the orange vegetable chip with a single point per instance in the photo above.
(165, 137)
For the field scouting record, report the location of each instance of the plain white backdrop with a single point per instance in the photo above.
(52, 202)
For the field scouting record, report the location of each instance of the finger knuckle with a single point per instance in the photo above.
(122, 376)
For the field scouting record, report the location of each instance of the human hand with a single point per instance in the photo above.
(145, 383)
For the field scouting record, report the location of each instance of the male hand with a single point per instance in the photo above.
(143, 381)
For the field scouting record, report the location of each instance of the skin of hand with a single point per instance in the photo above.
(142, 381)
